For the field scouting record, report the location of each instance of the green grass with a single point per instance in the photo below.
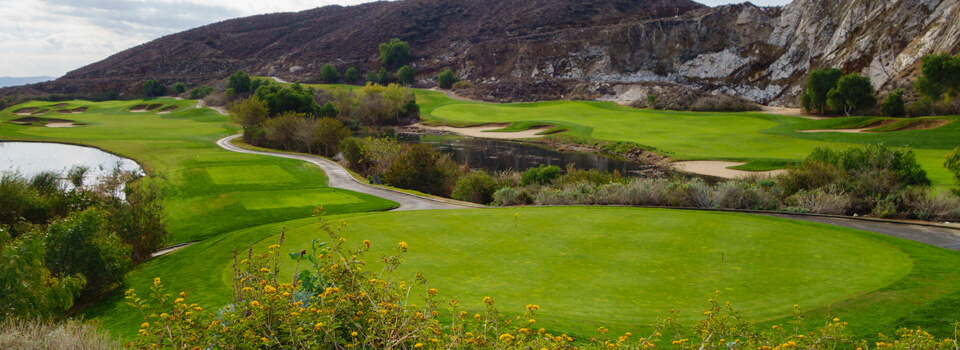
(214, 196)
(623, 267)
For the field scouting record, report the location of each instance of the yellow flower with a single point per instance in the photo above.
(156, 281)
(264, 269)
(353, 334)
(488, 301)
(275, 246)
(183, 294)
(145, 325)
(417, 345)
(836, 320)
(255, 303)
(269, 289)
(317, 326)
(178, 300)
(264, 339)
(506, 337)
(432, 291)
(403, 246)
(366, 243)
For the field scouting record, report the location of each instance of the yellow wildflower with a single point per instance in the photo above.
(403, 246)
(366, 243)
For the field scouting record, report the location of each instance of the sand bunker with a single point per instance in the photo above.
(154, 106)
(867, 128)
(793, 112)
(168, 109)
(138, 108)
(48, 122)
(79, 110)
(483, 131)
(719, 169)
(26, 111)
(924, 125)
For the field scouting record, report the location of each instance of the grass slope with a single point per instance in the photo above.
(623, 267)
(213, 193)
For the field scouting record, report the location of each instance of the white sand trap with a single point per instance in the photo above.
(793, 112)
(719, 169)
(855, 131)
(483, 131)
(61, 125)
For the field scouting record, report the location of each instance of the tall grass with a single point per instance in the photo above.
(70, 334)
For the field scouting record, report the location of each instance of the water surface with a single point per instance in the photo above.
(32, 158)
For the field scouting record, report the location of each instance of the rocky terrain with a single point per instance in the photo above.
(537, 49)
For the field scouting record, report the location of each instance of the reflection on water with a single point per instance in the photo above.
(505, 155)
(32, 158)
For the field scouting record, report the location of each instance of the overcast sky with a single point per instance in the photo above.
(52, 37)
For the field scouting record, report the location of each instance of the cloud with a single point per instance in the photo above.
(52, 37)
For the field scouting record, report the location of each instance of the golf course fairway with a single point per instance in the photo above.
(623, 267)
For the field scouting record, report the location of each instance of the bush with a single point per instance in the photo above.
(81, 245)
(446, 79)
(281, 131)
(281, 100)
(255, 135)
(477, 187)
(179, 88)
(591, 176)
(944, 206)
(723, 103)
(508, 196)
(31, 333)
(249, 112)
(140, 221)
(423, 169)
(541, 175)
(200, 92)
(153, 88)
(953, 166)
(893, 105)
(462, 85)
(329, 134)
(29, 288)
(351, 149)
(819, 202)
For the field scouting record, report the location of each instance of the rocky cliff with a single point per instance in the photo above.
(561, 47)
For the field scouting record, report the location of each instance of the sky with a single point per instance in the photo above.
(52, 37)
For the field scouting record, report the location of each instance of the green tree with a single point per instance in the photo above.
(940, 77)
(139, 221)
(446, 78)
(200, 92)
(405, 75)
(423, 169)
(819, 84)
(852, 93)
(239, 82)
(293, 99)
(893, 105)
(541, 175)
(328, 111)
(179, 88)
(29, 288)
(371, 77)
(249, 112)
(153, 88)
(281, 131)
(351, 75)
(477, 187)
(953, 165)
(329, 134)
(329, 73)
(396, 53)
(383, 78)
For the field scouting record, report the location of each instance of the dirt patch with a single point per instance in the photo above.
(48, 122)
(26, 111)
(867, 128)
(483, 131)
(138, 108)
(168, 109)
(59, 105)
(719, 169)
(924, 125)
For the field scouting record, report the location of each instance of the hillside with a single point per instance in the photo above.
(522, 50)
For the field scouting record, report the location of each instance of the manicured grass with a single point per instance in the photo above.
(212, 192)
(623, 267)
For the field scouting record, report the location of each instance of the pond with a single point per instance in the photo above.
(32, 158)
(505, 155)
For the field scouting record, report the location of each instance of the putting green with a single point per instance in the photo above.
(623, 267)
(297, 198)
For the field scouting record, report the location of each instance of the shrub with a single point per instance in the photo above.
(29, 288)
(81, 245)
(541, 175)
(281, 131)
(462, 85)
(446, 79)
(477, 187)
(153, 88)
(509, 196)
(351, 149)
(329, 133)
(819, 202)
(255, 135)
(140, 221)
(249, 112)
(723, 103)
(383, 78)
(423, 169)
(282, 100)
(953, 165)
(944, 206)
(893, 105)
(592, 176)
(200, 92)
